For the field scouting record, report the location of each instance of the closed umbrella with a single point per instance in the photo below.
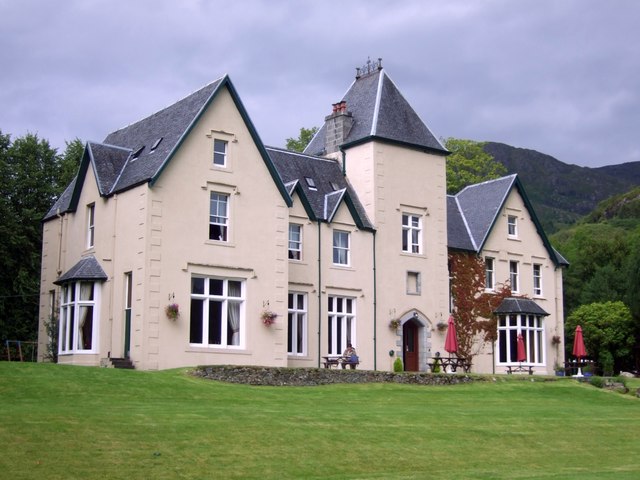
(451, 342)
(521, 351)
(578, 349)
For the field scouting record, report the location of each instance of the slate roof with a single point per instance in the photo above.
(380, 112)
(87, 268)
(127, 157)
(519, 305)
(331, 186)
(472, 213)
(170, 124)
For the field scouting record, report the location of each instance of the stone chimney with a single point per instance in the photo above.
(337, 127)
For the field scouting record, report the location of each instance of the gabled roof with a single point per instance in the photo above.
(127, 157)
(320, 184)
(473, 212)
(87, 268)
(380, 112)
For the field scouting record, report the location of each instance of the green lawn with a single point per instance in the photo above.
(61, 422)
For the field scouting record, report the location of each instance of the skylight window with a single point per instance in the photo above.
(311, 182)
(137, 153)
(335, 186)
(156, 143)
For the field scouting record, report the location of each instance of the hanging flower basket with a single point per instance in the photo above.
(441, 326)
(556, 340)
(268, 317)
(394, 324)
(172, 311)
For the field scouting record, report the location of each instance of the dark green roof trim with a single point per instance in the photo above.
(304, 200)
(226, 82)
(354, 213)
(82, 174)
(412, 146)
(518, 184)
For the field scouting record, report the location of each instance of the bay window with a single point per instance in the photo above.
(532, 329)
(78, 318)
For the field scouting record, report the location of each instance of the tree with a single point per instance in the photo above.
(473, 307)
(300, 143)
(469, 164)
(32, 176)
(608, 330)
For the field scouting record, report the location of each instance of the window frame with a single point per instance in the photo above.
(220, 154)
(223, 226)
(72, 304)
(341, 254)
(91, 225)
(533, 333)
(205, 319)
(490, 273)
(297, 324)
(292, 243)
(514, 275)
(410, 244)
(537, 279)
(512, 226)
(341, 323)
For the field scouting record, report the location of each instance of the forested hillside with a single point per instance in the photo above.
(563, 193)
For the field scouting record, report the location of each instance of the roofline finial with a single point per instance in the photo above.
(369, 67)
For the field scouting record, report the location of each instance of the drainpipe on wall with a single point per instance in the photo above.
(319, 295)
(344, 163)
(375, 307)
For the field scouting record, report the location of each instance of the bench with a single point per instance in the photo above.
(450, 365)
(331, 362)
(520, 369)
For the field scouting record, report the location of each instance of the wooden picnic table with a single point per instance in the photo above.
(331, 361)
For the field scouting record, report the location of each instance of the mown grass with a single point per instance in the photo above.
(61, 422)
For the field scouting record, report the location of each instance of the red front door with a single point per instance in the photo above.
(410, 346)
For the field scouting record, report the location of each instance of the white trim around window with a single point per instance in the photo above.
(514, 275)
(532, 329)
(341, 248)
(220, 152)
(341, 328)
(490, 273)
(217, 313)
(219, 216)
(537, 279)
(91, 227)
(297, 324)
(411, 233)
(79, 318)
(512, 226)
(295, 241)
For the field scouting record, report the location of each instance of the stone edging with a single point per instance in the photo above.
(276, 376)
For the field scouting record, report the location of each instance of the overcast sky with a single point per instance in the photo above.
(558, 76)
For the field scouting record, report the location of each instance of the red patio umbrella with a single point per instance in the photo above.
(451, 343)
(522, 352)
(578, 348)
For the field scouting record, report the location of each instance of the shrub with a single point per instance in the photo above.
(397, 365)
(597, 381)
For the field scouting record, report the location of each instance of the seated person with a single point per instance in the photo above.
(349, 356)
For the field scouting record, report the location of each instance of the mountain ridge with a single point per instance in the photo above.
(563, 193)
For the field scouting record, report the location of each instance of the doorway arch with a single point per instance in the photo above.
(416, 342)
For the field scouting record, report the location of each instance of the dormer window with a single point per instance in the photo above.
(311, 182)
